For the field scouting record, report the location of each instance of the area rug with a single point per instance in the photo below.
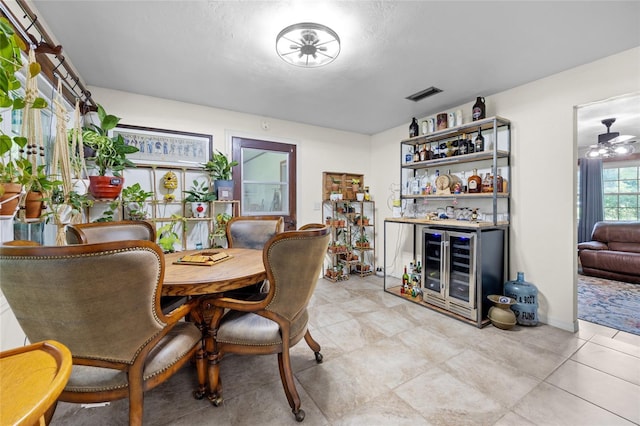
(610, 303)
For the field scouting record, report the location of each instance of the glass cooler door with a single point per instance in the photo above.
(433, 251)
(461, 268)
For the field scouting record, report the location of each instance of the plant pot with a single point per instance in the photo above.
(136, 210)
(226, 184)
(199, 209)
(10, 199)
(33, 205)
(105, 187)
(360, 196)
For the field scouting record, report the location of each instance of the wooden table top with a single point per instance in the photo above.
(31, 379)
(244, 268)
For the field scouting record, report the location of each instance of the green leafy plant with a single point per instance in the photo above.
(135, 198)
(77, 202)
(38, 181)
(219, 167)
(11, 47)
(109, 213)
(168, 233)
(199, 193)
(109, 153)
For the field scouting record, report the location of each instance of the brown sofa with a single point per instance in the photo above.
(613, 252)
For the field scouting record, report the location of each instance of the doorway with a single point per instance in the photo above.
(267, 183)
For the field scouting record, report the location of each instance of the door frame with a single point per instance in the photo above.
(243, 141)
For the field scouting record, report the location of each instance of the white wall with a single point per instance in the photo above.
(318, 149)
(543, 217)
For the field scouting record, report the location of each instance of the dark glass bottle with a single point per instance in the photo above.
(413, 128)
(479, 144)
(478, 110)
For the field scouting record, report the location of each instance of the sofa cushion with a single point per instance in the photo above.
(614, 261)
(622, 232)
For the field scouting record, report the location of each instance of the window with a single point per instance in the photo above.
(621, 187)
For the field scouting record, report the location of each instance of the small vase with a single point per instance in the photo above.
(501, 315)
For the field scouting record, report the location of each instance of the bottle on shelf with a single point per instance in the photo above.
(502, 183)
(487, 183)
(416, 154)
(478, 110)
(408, 157)
(423, 153)
(413, 128)
(405, 280)
(463, 145)
(474, 183)
(479, 143)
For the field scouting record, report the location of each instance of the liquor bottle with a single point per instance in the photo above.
(423, 153)
(413, 128)
(471, 148)
(479, 141)
(405, 280)
(500, 183)
(487, 183)
(416, 154)
(474, 183)
(478, 110)
(408, 157)
(463, 146)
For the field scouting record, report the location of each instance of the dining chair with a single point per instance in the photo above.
(293, 261)
(102, 232)
(312, 226)
(102, 302)
(252, 232)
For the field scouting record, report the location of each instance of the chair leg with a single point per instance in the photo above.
(215, 384)
(136, 398)
(202, 375)
(286, 375)
(315, 346)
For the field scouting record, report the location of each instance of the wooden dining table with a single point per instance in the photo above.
(244, 267)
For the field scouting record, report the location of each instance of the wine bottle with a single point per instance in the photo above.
(416, 154)
(479, 143)
(405, 280)
(478, 110)
(413, 128)
(474, 183)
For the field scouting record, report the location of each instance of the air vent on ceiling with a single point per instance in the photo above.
(430, 91)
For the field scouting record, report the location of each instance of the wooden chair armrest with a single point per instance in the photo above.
(181, 311)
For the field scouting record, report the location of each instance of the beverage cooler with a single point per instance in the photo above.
(461, 268)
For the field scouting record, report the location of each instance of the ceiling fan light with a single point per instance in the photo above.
(316, 44)
(593, 153)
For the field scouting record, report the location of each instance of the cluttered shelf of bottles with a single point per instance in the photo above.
(467, 166)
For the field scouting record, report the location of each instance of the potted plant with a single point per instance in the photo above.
(199, 196)
(37, 184)
(362, 241)
(109, 156)
(355, 185)
(219, 168)
(11, 147)
(168, 234)
(134, 198)
(220, 229)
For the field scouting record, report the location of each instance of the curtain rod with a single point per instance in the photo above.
(75, 89)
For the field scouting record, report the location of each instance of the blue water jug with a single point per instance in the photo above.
(526, 296)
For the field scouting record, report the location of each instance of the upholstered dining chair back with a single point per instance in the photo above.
(102, 232)
(102, 302)
(293, 262)
(252, 231)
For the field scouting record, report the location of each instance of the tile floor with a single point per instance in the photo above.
(390, 362)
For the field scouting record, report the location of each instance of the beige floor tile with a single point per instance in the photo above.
(388, 410)
(587, 329)
(512, 419)
(337, 391)
(633, 339)
(612, 394)
(443, 399)
(493, 378)
(610, 361)
(618, 344)
(549, 406)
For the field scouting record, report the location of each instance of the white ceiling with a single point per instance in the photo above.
(222, 53)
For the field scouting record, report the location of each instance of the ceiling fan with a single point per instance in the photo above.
(611, 144)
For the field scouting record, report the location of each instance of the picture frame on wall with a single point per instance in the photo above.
(166, 147)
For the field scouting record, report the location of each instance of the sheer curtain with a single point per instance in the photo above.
(590, 200)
